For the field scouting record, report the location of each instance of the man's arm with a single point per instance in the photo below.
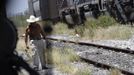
(43, 34)
(26, 38)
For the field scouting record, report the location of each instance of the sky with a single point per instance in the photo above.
(17, 6)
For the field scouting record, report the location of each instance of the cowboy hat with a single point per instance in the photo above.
(32, 19)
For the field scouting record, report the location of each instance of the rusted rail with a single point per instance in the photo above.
(128, 51)
(102, 65)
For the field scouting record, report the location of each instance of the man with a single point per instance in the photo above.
(37, 43)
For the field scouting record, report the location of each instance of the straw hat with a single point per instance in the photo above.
(32, 19)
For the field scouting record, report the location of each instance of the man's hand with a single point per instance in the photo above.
(27, 47)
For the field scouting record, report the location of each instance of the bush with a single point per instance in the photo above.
(102, 21)
(61, 28)
(105, 21)
(91, 24)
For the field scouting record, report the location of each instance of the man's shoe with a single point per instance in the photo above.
(36, 68)
(44, 67)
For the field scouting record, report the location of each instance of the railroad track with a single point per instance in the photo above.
(105, 56)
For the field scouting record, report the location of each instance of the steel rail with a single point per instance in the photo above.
(128, 51)
(102, 65)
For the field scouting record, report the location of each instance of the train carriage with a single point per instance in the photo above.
(55, 10)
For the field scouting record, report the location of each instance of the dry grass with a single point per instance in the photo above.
(21, 30)
(84, 71)
(21, 44)
(60, 56)
(102, 29)
(115, 72)
(62, 59)
(72, 70)
(120, 32)
(112, 32)
(61, 28)
(67, 68)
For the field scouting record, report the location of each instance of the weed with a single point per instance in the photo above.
(115, 72)
(106, 21)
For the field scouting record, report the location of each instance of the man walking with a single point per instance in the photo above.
(37, 43)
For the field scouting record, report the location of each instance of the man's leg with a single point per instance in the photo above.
(35, 60)
(41, 51)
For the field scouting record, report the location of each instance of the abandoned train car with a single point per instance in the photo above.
(69, 10)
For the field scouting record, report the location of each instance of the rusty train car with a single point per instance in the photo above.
(76, 10)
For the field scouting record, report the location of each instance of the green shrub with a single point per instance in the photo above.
(102, 21)
(91, 24)
(61, 28)
(105, 21)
